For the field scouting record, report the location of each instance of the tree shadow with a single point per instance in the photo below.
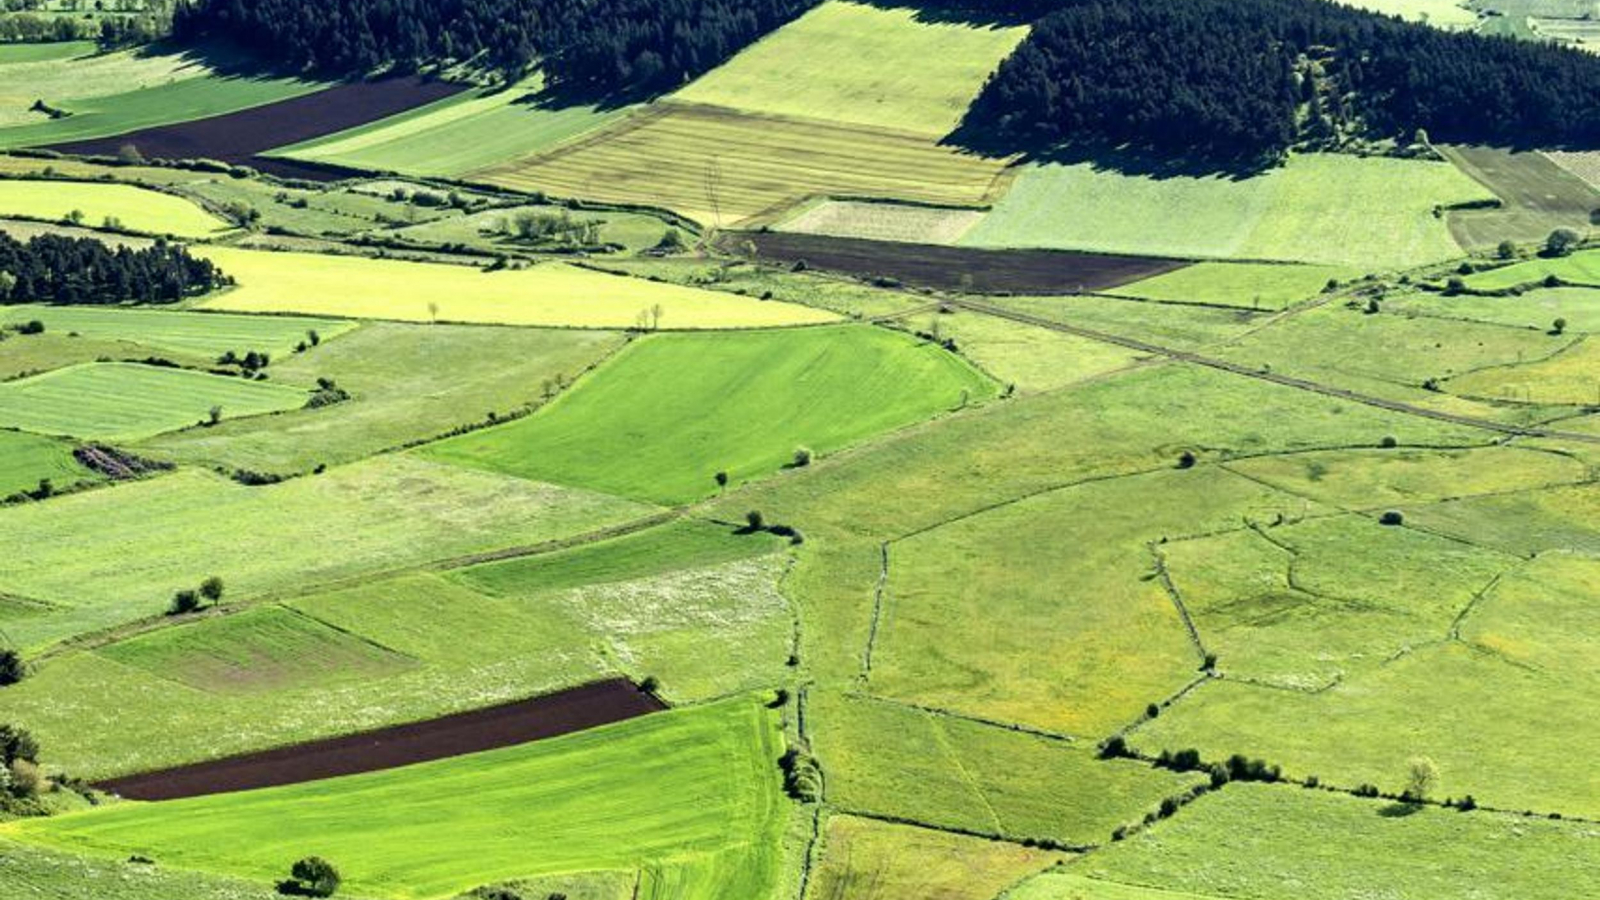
(1399, 809)
(972, 13)
(981, 140)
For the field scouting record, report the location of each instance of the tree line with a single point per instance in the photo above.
(589, 46)
(1254, 77)
(51, 268)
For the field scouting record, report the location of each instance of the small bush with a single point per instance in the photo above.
(311, 877)
(1389, 442)
(12, 669)
(1392, 517)
(1115, 747)
(1186, 460)
(184, 601)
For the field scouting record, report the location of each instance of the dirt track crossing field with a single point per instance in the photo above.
(238, 137)
(550, 715)
(956, 268)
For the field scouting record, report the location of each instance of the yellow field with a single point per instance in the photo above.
(132, 207)
(553, 294)
(718, 166)
(1571, 377)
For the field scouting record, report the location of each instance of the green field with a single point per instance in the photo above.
(1538, 308)
(1369, 214)
(659, 157)
(387, 513)
(121, 205)
(550, 294)
(203, 336)
(74, 71)
(870, 860)
(1027, 356)
(865, 65)
(694, 789)
(127, 401)
(39, 872)
(457, 135)
(1581, 268)
(1252, 286)
(661, 419)
(25, 459)
(1537, 197)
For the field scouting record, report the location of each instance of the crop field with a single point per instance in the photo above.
(1248, 285)
(125, 401)
(873, 860)
(883, 222)
(458, 134)
(204, 336)
(954, 268)
(1584, 164)
(1579, 268)
(549, 294)
(407, 383)
(1371, 214)
(106, 204)
(1028, 357)
(79, 72)
(391, 512)
(741, 405)
(719, 166)
(1537, 193)
(893, 68)
(666, 790)
(26, 459)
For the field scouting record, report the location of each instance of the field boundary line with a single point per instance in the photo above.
(1165, 578)
(879, 590)
(892, 819)
(1058, 736)
(942, 738)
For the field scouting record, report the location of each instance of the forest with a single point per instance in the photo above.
(1250, 78)
(587, 46)
(83, 271)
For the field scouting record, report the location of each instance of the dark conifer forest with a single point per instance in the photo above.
(1252, 77)
(602, 46)
(54, 269)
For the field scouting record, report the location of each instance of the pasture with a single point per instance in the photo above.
(1537, 197)
(719, 166)
(1247, 285)
(203, 337)
(893, 68)
(1028, 357)
(1369, 214)
(127, 401)
(688, 788)
(76, 72)
(1582, 268)
(390, 513)
(662, 418)
(1536, 309)
(871, 860)
(26, 459)
(108, 205)
(548, 294)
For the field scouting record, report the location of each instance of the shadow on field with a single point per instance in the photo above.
(1399, 810)
(981, 139)
(955, 12)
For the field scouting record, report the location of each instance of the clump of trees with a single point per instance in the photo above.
(802, 777)
(20, 778)
(50, 268)
(558, 228)
(189, 600)
(311, 877)
(12, 668)
(1258, 76)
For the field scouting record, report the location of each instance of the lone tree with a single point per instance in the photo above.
(1559, 326)
(721, 479)
(311, 877)
(184, 601)
(1561, 242)
(802, 457)
(1422, 776)
(12, 669)
(211, 589)
(1506, 250)
(754, 520)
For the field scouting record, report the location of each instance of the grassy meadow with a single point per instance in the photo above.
(550, 294)
(26, 459)
(668, 789)
(894, 68)
(186, 333)
(871, 860)
(1369, 214)
(118, 205)
(1248, 285)
(659, 420)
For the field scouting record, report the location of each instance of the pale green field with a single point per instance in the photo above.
(1171, 325)
(1286, 843)
(852, 62)
(694, 788)
(659, 420)
(58, 80)
(131, 207)
(27, 458)
(1569, 377)
(1369, 214)
(1378, 479)
(871, 860)
(37, 872)
(549, 294)
(1064, 884)
(1027, 356)
(1581, 268)
(207, 336)
(884, 221)
(1535, 309)
(1252, 286)
(384, 514)
(458, 134)
(127, 401)
(1451, 14)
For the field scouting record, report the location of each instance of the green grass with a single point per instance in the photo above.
(1063, 884)
(661, 419)
(379, 515)
(458, 135)
(126, 401)
(1285, 843)
(1569, 377)
(666, 789)
(1181, 327)
(632, 231)
(1370, 214)
(25, 53)
(27, 458)
(1028, 356)
(407, 383)
(1536, 309)
(64, 73)
(549, 294)
(1042, 612)
(1378, 479)
(1525, 523)
(862, 64)
(849, 298)
(1252, 286)
(886, 759)
(204, 336)
(883, 221)
(135, 208)
(160, 101)
(657, 157)
(40, 872)
(1582, 268)
(870, 860)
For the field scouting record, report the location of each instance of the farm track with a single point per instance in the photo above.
(1272, 377)
(509, 724)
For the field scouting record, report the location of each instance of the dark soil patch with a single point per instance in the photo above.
(239, 137)
(563, 712)
(955, 268)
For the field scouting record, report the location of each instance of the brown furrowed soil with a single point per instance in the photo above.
(238, 137)
(954, 268)
(550, 715)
